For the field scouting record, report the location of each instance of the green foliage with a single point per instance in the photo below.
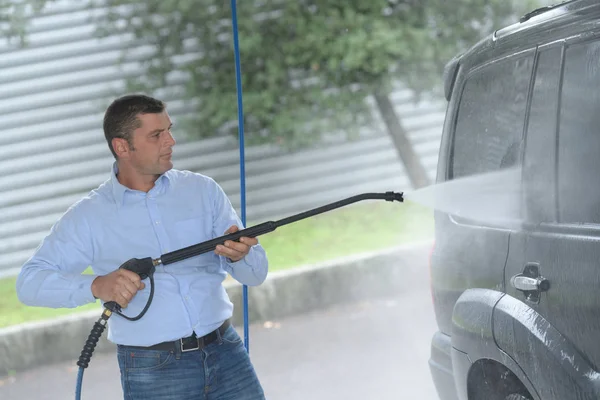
(307, 65)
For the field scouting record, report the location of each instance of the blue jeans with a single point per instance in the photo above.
(220, 371)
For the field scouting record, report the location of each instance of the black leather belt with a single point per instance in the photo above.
(189, 343)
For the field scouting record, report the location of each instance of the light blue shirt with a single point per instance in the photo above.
(113, 224)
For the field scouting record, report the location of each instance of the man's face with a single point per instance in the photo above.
(152, 144)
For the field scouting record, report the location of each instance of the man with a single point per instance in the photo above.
(184, 346)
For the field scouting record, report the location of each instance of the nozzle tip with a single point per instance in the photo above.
(393, 196)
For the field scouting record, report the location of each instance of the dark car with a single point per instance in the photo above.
(518, 306)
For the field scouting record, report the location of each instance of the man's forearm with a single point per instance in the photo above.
(39, 287)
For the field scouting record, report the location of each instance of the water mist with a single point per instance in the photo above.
(492, 198)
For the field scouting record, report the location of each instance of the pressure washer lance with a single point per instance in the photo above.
(145, 267)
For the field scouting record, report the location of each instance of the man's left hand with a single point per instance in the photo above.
(235, 251)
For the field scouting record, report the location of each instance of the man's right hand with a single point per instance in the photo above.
(120, 286)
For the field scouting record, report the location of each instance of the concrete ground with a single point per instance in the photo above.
(370, 350)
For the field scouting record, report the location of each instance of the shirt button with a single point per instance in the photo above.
(157, 222)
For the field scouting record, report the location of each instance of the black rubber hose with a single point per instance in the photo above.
(92, 340)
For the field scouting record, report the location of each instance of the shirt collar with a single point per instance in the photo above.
(118, 189)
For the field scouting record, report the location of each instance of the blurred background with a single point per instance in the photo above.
(340, 97)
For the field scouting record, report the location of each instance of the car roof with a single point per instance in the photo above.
(543, 24)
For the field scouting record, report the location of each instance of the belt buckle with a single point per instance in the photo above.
(184, 350)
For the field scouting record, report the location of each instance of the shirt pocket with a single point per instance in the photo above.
(191, 231)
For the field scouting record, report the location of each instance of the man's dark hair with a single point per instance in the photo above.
(120, 119)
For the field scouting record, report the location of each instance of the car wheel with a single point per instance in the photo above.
(516, 396)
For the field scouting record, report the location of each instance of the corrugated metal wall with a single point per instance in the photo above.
(52, 150)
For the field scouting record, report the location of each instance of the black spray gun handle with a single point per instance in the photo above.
(145, 268)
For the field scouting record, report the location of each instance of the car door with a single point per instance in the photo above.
(550, 320)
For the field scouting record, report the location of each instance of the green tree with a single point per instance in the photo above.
(307, 65)
(13, 17)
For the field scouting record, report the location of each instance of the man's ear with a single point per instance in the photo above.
(121, 147)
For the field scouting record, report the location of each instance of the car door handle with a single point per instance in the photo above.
(528, 284)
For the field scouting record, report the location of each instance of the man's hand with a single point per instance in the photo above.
(235, 251)
(120, 286)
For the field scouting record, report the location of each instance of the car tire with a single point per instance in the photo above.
(516, 396)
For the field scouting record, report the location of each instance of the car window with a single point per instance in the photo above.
(540, 156)
(491, 118)
(579, 136)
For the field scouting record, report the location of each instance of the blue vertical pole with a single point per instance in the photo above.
(238, 81)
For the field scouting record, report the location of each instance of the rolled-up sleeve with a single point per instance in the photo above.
(252, 270)
(52, 277)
